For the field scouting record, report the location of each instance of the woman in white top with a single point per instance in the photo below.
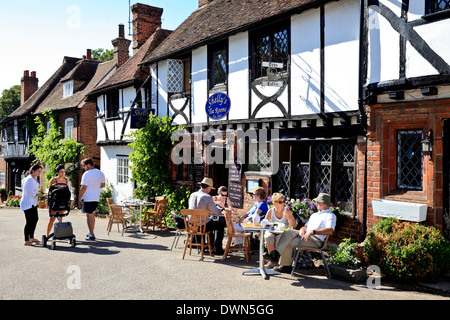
(281, 214)
(28, 204)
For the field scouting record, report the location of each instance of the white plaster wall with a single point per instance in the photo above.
(341, 55)
(436, 36)
(305, 62)
(384, 48)
(108, 165)
(238, 81)
(178, 105)
(199, 78)
(162, 89)
(101, 136)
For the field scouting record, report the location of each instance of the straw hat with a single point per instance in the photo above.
(208, 181)
(324, 198)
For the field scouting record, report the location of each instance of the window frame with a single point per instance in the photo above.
(66, 135)
(400, 183)
(68, 88)
(112, 105)
(268, 31)
(123, 172)
(212, 71)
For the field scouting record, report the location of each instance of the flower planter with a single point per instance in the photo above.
(347, 273)
(401, 210)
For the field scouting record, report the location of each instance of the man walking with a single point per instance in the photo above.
(91, 183)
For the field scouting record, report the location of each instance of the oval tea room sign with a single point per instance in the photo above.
(218, 106)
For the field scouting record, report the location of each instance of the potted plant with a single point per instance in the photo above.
(344, 262)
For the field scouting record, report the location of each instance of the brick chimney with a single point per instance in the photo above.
(121, 45)
(29, 85)
(146, 20)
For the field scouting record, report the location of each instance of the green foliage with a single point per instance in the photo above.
(9, 101)
(52, 148)
(13, 201)
(345, 254)
(178, 200)
(407, 251)
(102, 54)
(105, 192)
(150, 157)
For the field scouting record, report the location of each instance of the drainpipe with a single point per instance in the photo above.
(363, 38)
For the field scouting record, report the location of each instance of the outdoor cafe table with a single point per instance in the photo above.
(250, 227)
(132, 205)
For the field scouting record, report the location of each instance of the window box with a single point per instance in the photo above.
(401, 210)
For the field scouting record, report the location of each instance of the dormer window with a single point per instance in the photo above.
(67, 88)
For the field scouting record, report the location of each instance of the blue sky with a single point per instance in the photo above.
(36, 35)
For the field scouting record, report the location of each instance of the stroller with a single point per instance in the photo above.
(59, 202)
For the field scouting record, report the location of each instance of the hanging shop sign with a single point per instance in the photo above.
(139, 117)
(218, 106)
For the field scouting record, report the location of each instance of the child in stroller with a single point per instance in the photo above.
(59, 206)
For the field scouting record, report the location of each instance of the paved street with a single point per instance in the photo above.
(141, 266)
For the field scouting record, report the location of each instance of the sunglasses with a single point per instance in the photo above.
(282, 201)
(224, 195)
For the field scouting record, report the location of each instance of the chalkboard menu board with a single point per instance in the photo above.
(236, 195)
(235, 172)
(199, 174)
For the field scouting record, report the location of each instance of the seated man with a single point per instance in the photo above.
(314, 233)
(202, 200)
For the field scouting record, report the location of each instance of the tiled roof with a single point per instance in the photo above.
(222, 17)
(130, 70)
(31, 104)
(90, 71)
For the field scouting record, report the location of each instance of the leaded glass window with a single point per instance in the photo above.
(323, 168)
(438, 5)
(218, 64)
(409, 159)
(175, 75)
(270, 45)
(345, 159)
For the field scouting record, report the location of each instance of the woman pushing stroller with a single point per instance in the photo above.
(60, 179)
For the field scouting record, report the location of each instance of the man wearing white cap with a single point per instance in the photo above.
(314, 232)
(203, 201)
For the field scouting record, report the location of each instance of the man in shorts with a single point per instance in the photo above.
(91, 183)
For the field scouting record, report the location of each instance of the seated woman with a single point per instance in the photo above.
(281, 214)
(222, 200)
(260, 207)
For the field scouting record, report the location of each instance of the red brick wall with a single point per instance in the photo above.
(146, 19)
(384, 121)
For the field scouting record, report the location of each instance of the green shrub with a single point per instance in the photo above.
(13, 201)
(178, 200)
(105, 192)
(407, 251)
(345, 254)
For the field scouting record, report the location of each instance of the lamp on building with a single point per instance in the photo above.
(427, 142)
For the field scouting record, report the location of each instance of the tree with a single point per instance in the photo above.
(9, 101)
(102, 54)
(149, 159)
(53, 148)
